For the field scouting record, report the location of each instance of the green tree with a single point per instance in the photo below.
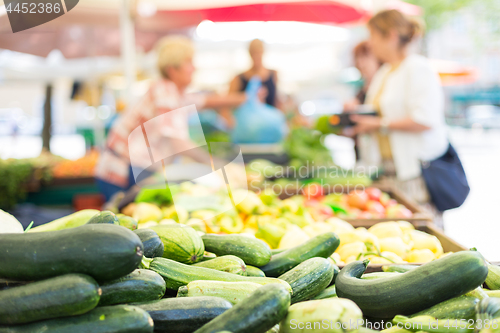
(437, 12)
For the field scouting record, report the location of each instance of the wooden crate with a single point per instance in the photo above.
(449, 245)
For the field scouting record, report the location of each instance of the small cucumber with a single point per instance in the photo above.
(327, 293)
(309, 278)
(262, 310)
(461, 307)
(181, 243)
(70, 221)
(65, 295)
(233, 292)
(139, 286)
(127, 221)
(413, 291)
(230, 264)
(105, 217)
(398, 268)
(177, 274)
(153, 246)
(252, 250)
(105, 319)
(493, 278)
(320, 246)
(184, 314)
(254, 271)
(277, 251)
(477, 293)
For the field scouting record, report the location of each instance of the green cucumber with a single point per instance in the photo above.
(177, 275)
(70, 221)
(277, 251)
(413, 291)
(139, 286)
(233, 292)
(184, 314)
(493, 278)
(253, 251)
(254, 271)
(181, 243)
(309, 278)
(327, 293)
(320, 246)
(105, 319)
(398, 268)
(104, 217)
(461, 307)
(260, 311)
(153, 246)
(127, 221)
(230, 264)
(103, 251)
(65, 295)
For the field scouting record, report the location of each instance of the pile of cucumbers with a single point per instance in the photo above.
(109, 277)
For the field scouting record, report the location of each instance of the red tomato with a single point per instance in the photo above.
(374, 193)
(357, 199)
(365, 215)
(375, 207)
(399, 211)
(312, 190)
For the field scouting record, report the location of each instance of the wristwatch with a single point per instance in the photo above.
(384, 126)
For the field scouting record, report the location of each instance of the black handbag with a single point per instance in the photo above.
(446, 180)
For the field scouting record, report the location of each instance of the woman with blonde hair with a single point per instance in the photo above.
(406, 93)
(175, 65)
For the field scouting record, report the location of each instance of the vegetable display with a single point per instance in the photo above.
(88, 273)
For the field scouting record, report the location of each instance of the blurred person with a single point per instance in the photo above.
(367, 64)
(407, 95)
(175, 64)
(268, 77)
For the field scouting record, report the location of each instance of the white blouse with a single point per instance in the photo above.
(411, 90)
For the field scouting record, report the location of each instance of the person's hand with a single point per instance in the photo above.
(351, 106)
(262, 94)
(365, 124)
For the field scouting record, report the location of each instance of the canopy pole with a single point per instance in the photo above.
(128, 46)
(47, 118)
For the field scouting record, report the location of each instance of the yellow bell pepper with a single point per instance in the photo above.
(395, 245)
(392, 256)
(386, 229)
(339, 226)
(421, 256)
(406, 226)
(351, 249)
(336, 259)
(289, 205)
(178, 214)
(250, 203)
(422, 240)
(376, 260)
(145, 212)
(230, 225)
(293, 237)
(317, 228)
